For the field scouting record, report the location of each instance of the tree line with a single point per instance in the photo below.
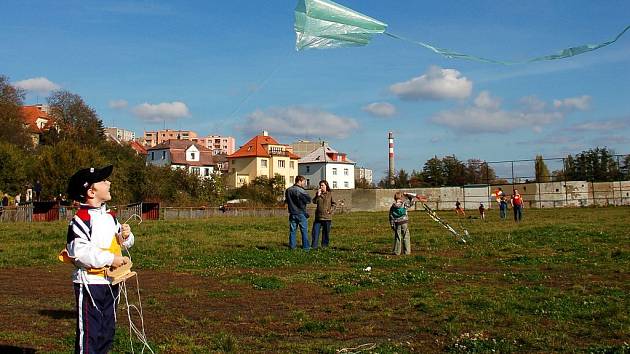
(79, 142)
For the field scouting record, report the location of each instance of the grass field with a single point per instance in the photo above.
(558, 282)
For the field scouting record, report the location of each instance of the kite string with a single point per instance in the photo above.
(260, 85)
(565, 53)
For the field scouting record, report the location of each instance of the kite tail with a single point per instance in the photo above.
(565, 53)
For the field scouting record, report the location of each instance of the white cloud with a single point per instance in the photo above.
(37, 84)
(165, 111)
(484, 100)
(486, 115)
(435, 84)
(581, 103)
(533, 104)
(380, 109)
(118, 104)
(298, 121)
(603, 126)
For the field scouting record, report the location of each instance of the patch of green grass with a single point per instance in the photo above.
(556, 282)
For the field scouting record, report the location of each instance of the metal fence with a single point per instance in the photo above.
(30, 213)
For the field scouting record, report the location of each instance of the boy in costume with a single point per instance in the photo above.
(94, 245)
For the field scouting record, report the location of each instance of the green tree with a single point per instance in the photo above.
(77, 121)
(55, 164)
(454, 171)
(542, 172)
(261, 191)
(416, 179)
(624, 169)
(15, 165)
(596, 165)
(362, 183)
(479, 172)
(13, 128)
(432, 172)
(401, 180)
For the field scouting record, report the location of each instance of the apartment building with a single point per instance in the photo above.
(262, 156)
(220, 145)
(153, 138)
(326, 163)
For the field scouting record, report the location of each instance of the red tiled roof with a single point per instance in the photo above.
(178, 148)
(255, 147)
(31, 114)
(138, 147)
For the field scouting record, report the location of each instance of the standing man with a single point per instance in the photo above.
(38, 190)
(517, 205)
(297, 199)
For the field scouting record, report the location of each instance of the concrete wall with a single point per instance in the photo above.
(535, 195)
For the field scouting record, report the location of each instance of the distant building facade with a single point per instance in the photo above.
(218, 144)
(361, 173)
(37, 120)
(183, 154)
(120, 134)
(262, 156)
(153, 138)
(326, 163)
(305, 147)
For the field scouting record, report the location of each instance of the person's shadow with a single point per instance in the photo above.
(57, 315)
(9, 349)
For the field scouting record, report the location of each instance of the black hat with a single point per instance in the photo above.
(81, 181)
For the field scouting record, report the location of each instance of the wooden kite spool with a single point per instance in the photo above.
(121, 273)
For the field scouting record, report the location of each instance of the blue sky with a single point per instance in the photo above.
(230, 68)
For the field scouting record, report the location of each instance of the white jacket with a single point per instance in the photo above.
(92, 243)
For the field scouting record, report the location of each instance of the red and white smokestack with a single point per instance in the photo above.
(391, 158)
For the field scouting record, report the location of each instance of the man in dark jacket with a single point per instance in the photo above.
(297, 199)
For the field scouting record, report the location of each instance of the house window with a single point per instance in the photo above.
(207, 173)
(152, 155)
(334, 171)
(308, 182)
(334, 184)
(292, 164)
(163, 155)
(308, 169)
(195, 170)
(346, 184)
(192, 155)
(263, 163)
(280, 163)
(345, 171)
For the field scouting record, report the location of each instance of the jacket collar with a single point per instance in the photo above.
(102, 208)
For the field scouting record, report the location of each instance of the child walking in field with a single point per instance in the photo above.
(398, 221)
(93, 245)
(482, 211)
(458, 209)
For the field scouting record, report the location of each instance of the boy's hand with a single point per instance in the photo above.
(120, 261)
(126, 231)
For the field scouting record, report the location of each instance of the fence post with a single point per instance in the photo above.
(566, 192)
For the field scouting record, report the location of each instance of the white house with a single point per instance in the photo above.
(325, 163)
(183, 154)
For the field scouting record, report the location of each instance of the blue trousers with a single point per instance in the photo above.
(324, 225)
(295, 221)
(96, 326)
(518, 213)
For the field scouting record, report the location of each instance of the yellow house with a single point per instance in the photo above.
(262, 156)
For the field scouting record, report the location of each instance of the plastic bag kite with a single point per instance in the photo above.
(324, 24)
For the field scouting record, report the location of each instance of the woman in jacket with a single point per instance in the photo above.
(323, 214)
